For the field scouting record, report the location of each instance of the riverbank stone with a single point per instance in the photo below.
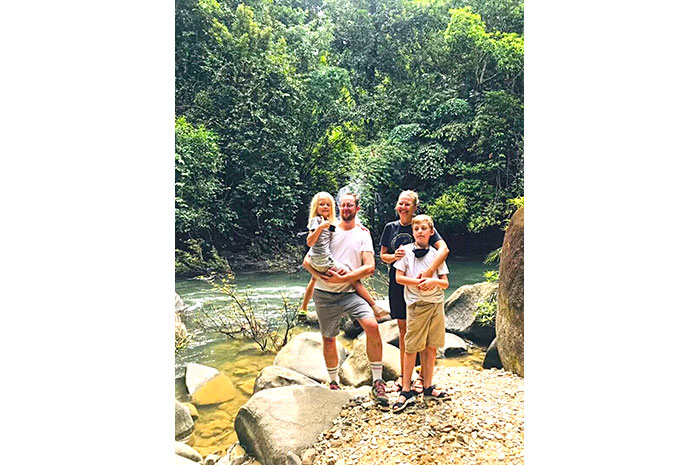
(460, 310)
(197, 375)
(304, 354)
(491, 359)
(510, 317)
(454, 346)
(287, 419)
(355, 371)
(180, 460)
(183, 450)
(180, 305)
(273, 376)
(217, 390)
(389, 332)
(184, 425)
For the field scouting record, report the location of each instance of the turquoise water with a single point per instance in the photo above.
(266, 290)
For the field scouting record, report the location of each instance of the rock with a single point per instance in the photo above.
(207, 386)
(180, 305)
(460, 309)
(274, 376)
(235, 455)
(184, 425)
(183, 450)
(180, 330)
(350, 327)
(389, 330)
(304, 354)
(312, 317)
(217, 390)
(510, 317)
(193, 410)
(287, 419)
(293, 459)
(197, 375)
(491, 359)
(180, 460)
(307, 458)
(454, 345)
(356, 372)
(211, 459)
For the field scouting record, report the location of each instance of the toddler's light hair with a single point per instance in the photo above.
(313, 209)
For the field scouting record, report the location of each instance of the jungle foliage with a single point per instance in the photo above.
(279, 99)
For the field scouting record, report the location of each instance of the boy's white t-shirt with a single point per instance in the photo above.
(412, 267)
(347, 247)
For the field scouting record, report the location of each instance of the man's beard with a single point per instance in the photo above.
(347, 217)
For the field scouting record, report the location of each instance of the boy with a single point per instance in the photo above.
(425, 315)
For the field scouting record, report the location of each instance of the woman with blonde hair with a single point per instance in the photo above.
(397, 235)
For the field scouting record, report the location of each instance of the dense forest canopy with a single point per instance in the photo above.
(277, 100)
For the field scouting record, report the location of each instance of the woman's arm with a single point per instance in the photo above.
(442, 252)
(429, 283)
(390, 258)
(404, 280)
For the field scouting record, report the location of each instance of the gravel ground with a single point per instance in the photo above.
(482, 424)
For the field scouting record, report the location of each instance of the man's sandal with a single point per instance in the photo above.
(417, 385)
(428, 394)
(409, 398)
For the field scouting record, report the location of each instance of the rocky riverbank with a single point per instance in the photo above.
(482, 424)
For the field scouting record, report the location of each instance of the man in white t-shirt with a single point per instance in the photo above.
(335, 297)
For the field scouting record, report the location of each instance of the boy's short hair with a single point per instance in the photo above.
(423, 219)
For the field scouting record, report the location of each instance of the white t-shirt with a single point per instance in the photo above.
(412, 267)
(347, 247)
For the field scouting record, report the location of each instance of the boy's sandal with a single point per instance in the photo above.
(428, 394)
(409, 398)
(417, 385)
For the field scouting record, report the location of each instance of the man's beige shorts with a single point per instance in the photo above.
(425, 325)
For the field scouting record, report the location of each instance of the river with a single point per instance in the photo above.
(242, 360)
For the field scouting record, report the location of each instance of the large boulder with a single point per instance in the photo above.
(207, 386)
(356, 371)
(274, 376)
(460, 310)
(510, 317)
(184, 425)
(304, 354)
(287, 419)
(491, 359)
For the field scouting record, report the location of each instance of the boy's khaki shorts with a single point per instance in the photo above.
(425, 325)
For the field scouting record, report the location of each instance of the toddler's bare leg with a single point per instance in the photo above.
(309, 292)
(363, 292)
